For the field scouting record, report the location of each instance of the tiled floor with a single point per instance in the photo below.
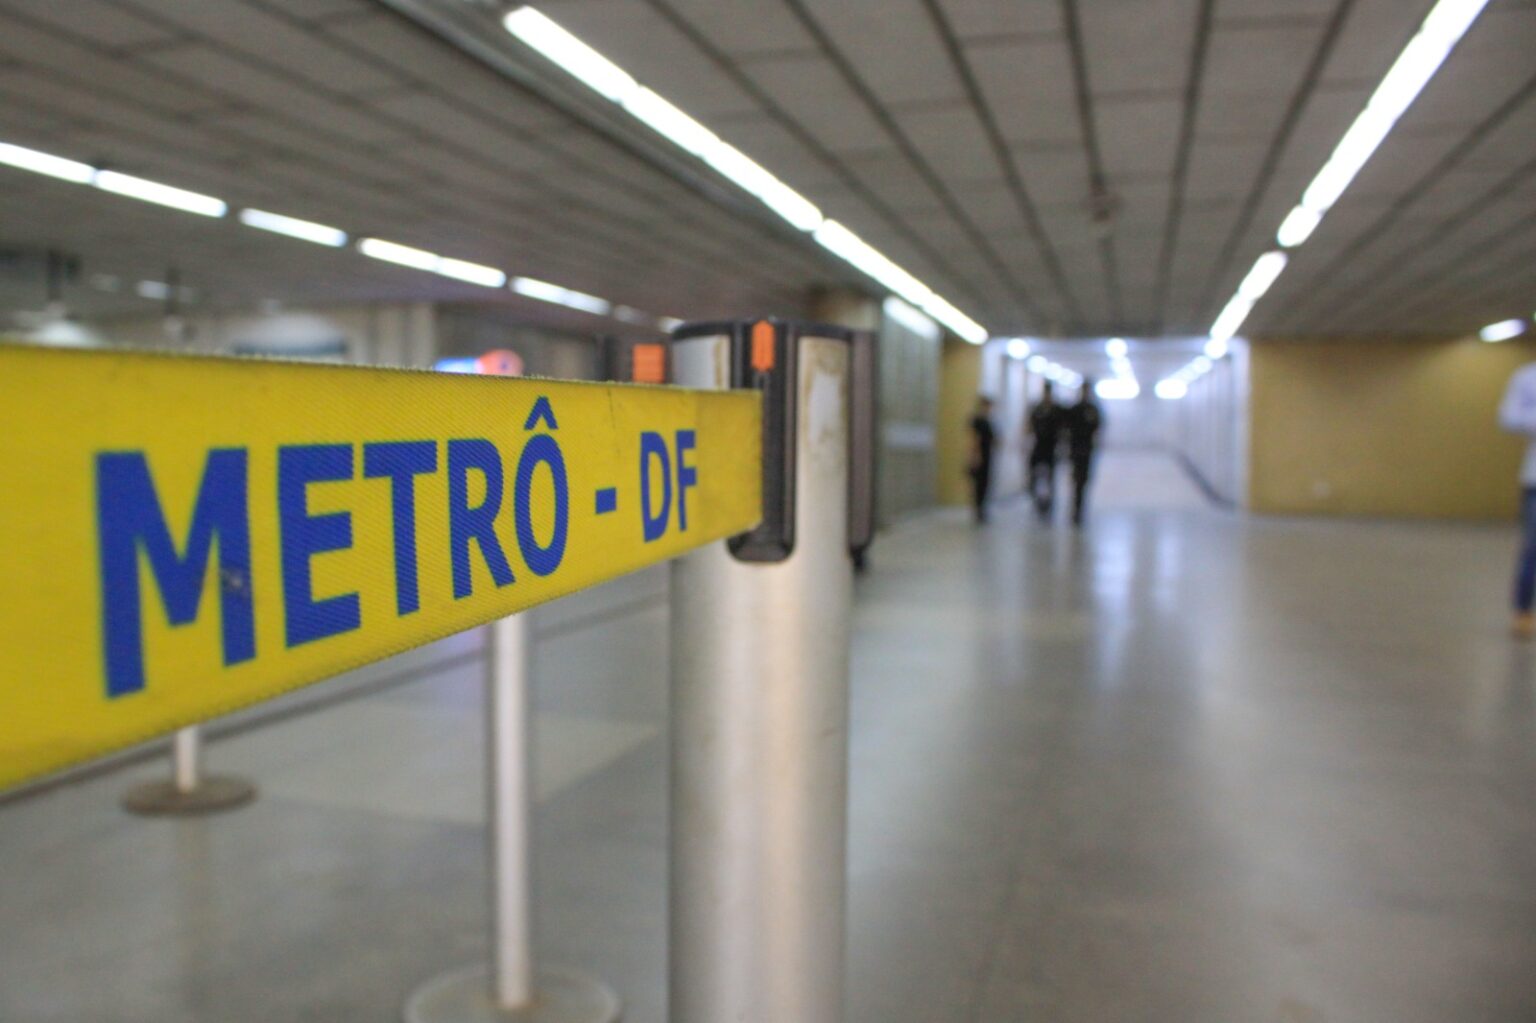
(1181, 767)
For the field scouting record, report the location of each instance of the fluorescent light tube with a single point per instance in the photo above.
(1231, 318)
(1297, 226)
(155, 192)
(670, 122)
(1502, 331)
(1037, 363)
(963, 326)
(1442, 29)
(294, 228)
(840, 241)
(1116, 347)
(596, 71)
(652, 109)
(474, 273)
(157, 290)
(26, 159)
(1216, 348)
(547, 292)
(918, 323)
(403, 255)
(1018, 348)
(1171, 389)
(1262, 275)
(747, 173)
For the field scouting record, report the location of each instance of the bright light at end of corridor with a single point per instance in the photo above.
(1117, 389)
(1502, 331)
(1116, 347)
(1171, 389)
(1018, 348)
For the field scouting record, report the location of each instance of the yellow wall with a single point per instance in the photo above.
(1383, 428)
(959, 378)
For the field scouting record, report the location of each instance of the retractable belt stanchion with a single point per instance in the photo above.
(511, 989)
(189, 790)
(760, 694)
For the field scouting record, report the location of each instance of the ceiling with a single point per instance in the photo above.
(1061, 167)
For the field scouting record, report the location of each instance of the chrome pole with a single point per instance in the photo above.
(760, 736)
(510, 809)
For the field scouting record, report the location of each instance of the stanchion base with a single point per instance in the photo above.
(215, 794)
(561, 996)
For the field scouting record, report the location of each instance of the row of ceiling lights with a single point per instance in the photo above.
(613, 83)
(1439, 33)
(1441, 30)
(162, 194)
(1123, 385)
(1444, 26)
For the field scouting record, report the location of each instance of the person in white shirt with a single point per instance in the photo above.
(1517, 414)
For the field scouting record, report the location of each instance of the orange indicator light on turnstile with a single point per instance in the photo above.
(649, 364)
(762, 346)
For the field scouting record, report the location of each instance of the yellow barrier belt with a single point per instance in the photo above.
(186, 536)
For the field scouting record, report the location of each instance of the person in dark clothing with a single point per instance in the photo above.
(1045, 422)
(1083, 421)
(980, 468)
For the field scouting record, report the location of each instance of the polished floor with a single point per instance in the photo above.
(1183, 766)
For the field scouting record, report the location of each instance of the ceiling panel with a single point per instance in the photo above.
(975, 19)
(1028, 85)
(892, 47)
(1116, 35)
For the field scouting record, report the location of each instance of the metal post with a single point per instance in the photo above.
(510, 990)
(509, 810)
(760, 734)
(188, 791)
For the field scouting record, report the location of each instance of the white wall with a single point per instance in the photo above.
(1209, 426)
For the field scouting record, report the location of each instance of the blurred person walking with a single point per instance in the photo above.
(983, 438)
(1517, 414)
(1083, 421)
(1045, 422)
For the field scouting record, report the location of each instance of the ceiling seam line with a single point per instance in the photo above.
(1010, 169)
(1468, 257)
(883, 115)
(699, 185)
(811, 142)
(1400, 205)
(1193, 90)
(1098, 188)
(1305, 89)
(1439, 233)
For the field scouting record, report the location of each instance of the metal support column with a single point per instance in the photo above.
(760, 708)
(510, 990)
(189, 791)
